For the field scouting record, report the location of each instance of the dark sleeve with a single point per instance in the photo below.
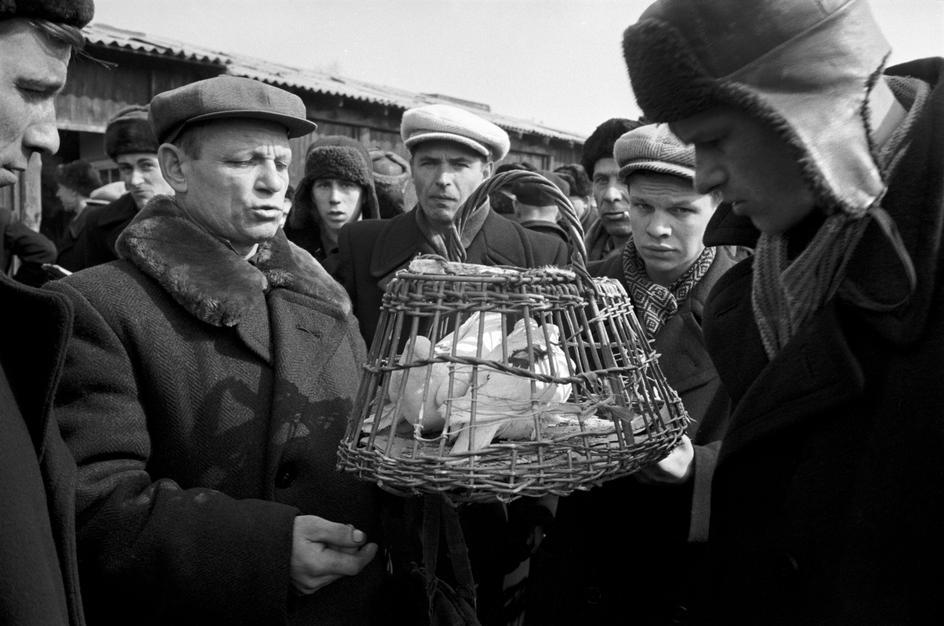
(146, 544)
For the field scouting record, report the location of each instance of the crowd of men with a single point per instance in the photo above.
(172, 401)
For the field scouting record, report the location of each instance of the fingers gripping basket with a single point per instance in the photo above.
(487, 383)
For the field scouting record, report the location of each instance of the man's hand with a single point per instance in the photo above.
(324, 551)
(674, 469)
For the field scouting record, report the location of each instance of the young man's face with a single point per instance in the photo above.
(611, 195)
(235, 188)
(445, 173)
(752, 167)
(337, 201)
(141, 174)
(668, 218)
(32, 71)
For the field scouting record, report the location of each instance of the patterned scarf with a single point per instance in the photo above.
(654, 303)
(785, 294)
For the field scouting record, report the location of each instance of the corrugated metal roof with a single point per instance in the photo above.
(298, 79)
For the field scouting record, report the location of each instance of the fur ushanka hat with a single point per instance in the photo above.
(599, 145)
(804, 67)
(76, 13)
(334, 156)
(129, 131)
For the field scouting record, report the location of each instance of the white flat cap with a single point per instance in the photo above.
(653, 148)
(441, 122)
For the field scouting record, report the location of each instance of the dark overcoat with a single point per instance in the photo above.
(39, 583)
(828, 495)
(103, 225)
(583, 580)
(204, 397)
(372, 251)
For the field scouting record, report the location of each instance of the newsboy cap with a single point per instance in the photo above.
(653, 148)
(227, 97)
(76, 13)
(442, 122)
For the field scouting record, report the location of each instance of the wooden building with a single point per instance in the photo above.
(122, 68)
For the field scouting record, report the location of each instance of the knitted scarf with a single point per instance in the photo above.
(452, 244)
(654, 303)
(786, 294)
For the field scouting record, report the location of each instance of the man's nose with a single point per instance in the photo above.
(270, 178)
(444, 177)
(658, 225)
(613, 192)
(42, 136)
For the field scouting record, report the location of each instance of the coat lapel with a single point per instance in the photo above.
(824, 374)
(253, 328)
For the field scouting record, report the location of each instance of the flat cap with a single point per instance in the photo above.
(653, 148)
(442, 122)
(76, 13)
(226, 97)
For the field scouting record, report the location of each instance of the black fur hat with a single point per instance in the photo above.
(599, 144)
(76, 13)
(79, 176)
(334, 156)
(129, 131)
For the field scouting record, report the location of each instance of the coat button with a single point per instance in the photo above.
(285, 476)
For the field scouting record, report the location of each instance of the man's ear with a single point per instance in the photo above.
(487, 169)
(172, 160)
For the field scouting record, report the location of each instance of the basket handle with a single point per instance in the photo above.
(575, 234)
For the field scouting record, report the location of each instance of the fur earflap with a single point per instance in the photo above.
(207, 278)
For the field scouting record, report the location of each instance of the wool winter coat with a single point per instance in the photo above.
(578, 579)
(103, 225)
(828, 494)
(39, 583)
(204, 397)
(372, 251)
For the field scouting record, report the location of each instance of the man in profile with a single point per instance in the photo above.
(38, 567)
(827, 500)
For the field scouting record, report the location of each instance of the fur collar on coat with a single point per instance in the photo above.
(208, 279)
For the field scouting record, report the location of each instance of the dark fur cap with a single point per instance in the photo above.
(130, 131)
(76, 13)
(79, 176)
(334, 156)
(599, 144)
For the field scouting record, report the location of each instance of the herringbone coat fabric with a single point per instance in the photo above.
(203, 398)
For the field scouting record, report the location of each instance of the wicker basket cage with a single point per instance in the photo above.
(487, 383)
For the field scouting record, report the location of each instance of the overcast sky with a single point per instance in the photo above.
(558, 62)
